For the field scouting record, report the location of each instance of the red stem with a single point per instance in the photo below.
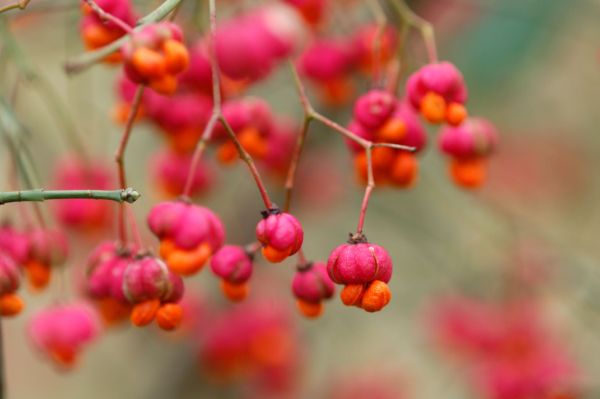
(302, 262)
(121, 151)
(104, 16)
(289, 184)
(208, 130)
(200, 147)
(134, 228)
(248, 159)
(363, 209)
(217, 114)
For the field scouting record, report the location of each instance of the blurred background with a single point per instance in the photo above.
(495, 292)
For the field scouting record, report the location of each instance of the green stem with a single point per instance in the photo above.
(85, 60)
(45, 90)
(19, 4)
(425, 27)
(40, 195)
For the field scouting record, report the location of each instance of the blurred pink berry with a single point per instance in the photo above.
(73, 173)
(312, 284)
(170, 173)
(248, 46)
(327, 59)
(442, 78)
(439, 92)
(105, 270)
(232, 263)
(14, 243)
(61, 332)
(373, 108)
(10, 277)
(474, 137)
(50, 247)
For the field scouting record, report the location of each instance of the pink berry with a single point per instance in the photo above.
(145, 278)
(232, 263)
(15, 244)
(61, 331)
(442, 78)
(280, 231)
(359, 263)
(373, 108)
(9, 275)
(474, 137)
(187, 225)
(327, 59)
(106, 268)
(312, 283)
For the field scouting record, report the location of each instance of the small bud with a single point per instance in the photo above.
(130, 195)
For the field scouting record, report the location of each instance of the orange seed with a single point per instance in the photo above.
(168, 316)
(275, 255)
(455, 114)
(177, 56)
(311, 310)
(376, 297)
(469, 172)
(235, 291)
(352, 294)
(165, 84)
(11, 304)
(187, 263)
(144, 312)
(433, 107)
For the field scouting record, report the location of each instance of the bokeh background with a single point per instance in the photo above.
(529, 236)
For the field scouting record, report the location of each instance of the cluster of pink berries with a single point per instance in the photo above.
(332, 62)
(438, 93)
(34, 253)
(61, 332)
(97, 33)
(155, 55)
(380, 118)
(516, 358)
(73, 172)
